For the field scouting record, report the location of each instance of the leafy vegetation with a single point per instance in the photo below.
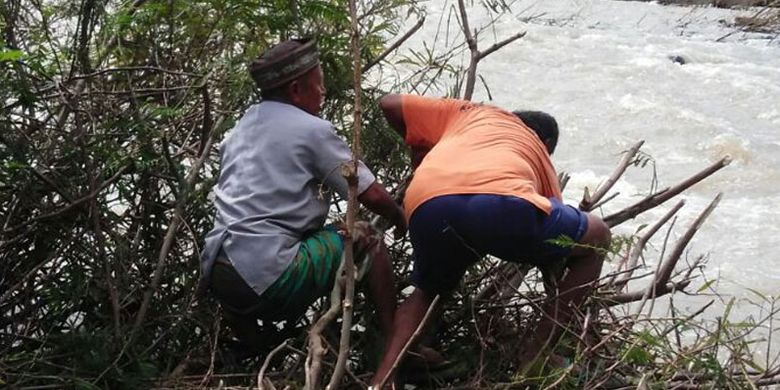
(111, 113)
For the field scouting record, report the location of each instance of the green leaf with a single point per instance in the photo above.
(759, 294)
(638, 355)
(706, 285)
(563, 241)
(754, 365)
(649, 338)
(727, 311)
(741, 325)
(10, 55)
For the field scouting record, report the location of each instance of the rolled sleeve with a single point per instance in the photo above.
(330, 152)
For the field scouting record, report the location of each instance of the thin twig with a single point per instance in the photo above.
(351, 176)
(666, 271)
(395, 45)
(588, 202)
(316, 350)
(207, 377)
(660, 197)
(73, 204)
(639, 247)
(170, 235)
(261, 374)
(501, 44)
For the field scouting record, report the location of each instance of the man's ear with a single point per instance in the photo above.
(294, 89)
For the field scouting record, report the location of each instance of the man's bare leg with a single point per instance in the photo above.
(408, 318)
(584, 268)
(381, 286)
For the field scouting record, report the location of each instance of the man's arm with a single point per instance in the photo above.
(391, 108)
(328, 152)
(377, 200)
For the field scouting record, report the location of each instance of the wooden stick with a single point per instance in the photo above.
(350, 174)
(651, 201)
(674, 257)
(395, 45)
(588, 201)
(636, 252)
(313, 364)
(170, 235)
(261, 375)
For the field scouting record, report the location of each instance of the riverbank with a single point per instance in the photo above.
(766, 18)
(725, 3)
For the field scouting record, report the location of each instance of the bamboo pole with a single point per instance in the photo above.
(350, 173)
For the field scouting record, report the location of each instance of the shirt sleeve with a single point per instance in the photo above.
(330, 152)
(426, 119)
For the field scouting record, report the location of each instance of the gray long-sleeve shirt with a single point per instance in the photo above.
(277, 165)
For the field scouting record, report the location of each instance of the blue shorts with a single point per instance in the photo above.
(450, 233)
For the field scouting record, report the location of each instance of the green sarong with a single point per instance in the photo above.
(310, 276)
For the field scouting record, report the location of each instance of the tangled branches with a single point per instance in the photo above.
(110, 111)
(617, 341)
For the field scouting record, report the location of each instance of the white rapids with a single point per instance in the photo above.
(603, 69)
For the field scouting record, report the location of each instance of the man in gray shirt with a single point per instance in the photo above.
(269, 255)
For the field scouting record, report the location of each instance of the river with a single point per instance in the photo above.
(603, 69)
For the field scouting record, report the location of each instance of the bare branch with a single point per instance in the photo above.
(73, 204)
(501, 44)
(637, 250)
(261, 374)
(651, 201)
(674, 257)
(170, 235)
(471, 72)
(395, 45)
(588, 201)
(316, 350)
(350, 174)
(634, 296)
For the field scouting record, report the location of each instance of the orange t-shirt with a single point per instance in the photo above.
(475, 149)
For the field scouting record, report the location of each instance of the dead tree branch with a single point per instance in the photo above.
(261, 379)
(395, 45)
(662, 196)
(316, 349)
(588, 201)
(639, 247)
(661, 284)
(674, 257)
(170, 235)
(475, 54)
(352, 205)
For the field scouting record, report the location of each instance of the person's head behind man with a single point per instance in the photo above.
(290, 72)
(543, 124)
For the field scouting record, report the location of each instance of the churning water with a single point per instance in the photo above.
(603, 68)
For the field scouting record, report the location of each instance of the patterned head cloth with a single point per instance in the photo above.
(284, 62)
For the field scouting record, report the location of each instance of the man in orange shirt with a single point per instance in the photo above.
(484, 184)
